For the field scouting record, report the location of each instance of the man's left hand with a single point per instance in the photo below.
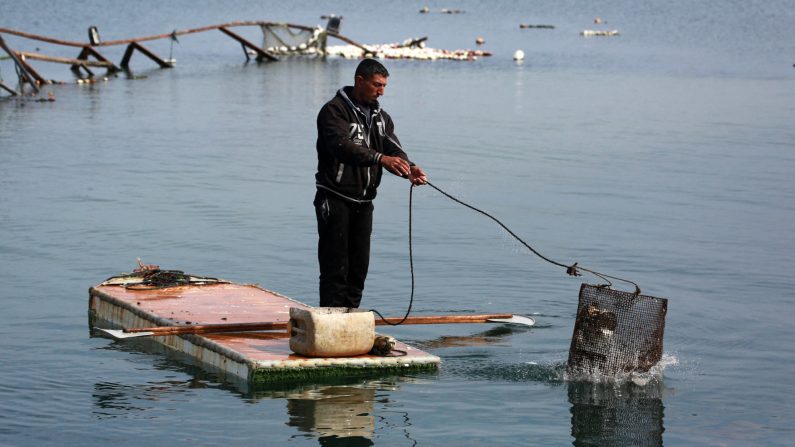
(417, 176)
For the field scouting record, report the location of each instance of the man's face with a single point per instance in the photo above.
(368, 90)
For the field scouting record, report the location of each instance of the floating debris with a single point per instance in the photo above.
(426, 10)
(525, 26)
(50, 98)
(405, 50)
(480, 40)
(518, 55)
(591, 32)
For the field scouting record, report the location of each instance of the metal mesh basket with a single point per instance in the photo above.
(616, 332)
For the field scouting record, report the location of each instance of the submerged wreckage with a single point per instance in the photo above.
(278, 40)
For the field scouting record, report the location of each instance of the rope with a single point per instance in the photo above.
(411, 267)
(499, 223)
(171, 47)
(571, 270)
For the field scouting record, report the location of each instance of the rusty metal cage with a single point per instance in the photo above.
(616, 332)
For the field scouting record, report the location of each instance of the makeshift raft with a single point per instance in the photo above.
(252, 357)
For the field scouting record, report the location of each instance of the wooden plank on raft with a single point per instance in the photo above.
(261, 54)
(274, 325)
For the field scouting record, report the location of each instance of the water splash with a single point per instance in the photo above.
(653, 375)
(552, 372)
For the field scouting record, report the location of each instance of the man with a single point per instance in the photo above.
(355, 139)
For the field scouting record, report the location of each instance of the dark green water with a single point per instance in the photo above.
(663, 155)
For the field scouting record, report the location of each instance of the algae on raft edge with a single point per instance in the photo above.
(266, 376)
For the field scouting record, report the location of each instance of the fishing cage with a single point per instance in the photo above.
(616, 332)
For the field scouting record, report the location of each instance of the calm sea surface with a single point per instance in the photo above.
(664, 155)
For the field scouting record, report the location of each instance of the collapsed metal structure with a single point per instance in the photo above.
(278, 39)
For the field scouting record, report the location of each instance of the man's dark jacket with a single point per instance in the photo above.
(350, 146)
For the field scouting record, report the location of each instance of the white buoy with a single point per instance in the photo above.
(518, 55)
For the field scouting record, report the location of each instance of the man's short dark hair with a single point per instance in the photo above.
(369, 67)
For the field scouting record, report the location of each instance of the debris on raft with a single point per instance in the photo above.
(591, 33)
(525, 26)
(409, 49)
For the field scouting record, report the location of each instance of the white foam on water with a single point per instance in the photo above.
(655, 374)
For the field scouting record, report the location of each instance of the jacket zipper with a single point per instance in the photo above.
(367, 141)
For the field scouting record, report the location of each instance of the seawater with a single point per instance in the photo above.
(663, 155)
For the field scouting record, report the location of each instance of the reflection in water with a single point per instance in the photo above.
(616, 414)
(337, 415)
(491, 336)
(342, 415)
(115, 399)
(339, 412)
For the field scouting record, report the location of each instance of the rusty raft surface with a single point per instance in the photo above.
(252, 357)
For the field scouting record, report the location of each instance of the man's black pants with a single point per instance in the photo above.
(343, 250)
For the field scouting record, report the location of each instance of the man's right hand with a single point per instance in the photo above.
(396, 165)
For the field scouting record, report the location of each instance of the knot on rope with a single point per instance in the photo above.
(572, 270)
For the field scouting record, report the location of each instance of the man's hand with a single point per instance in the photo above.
(396, 165)
(417, 176)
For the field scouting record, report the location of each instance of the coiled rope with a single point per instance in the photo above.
(571, 270)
